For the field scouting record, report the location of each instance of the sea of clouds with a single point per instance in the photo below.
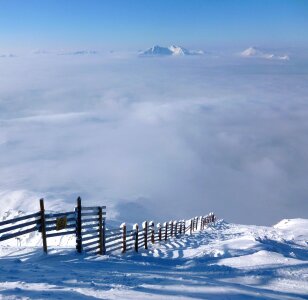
(155, 138)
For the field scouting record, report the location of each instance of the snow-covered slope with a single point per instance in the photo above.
(259, 53)
(226, 261)
(171, 50)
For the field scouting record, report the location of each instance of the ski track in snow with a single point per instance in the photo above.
(227, 261)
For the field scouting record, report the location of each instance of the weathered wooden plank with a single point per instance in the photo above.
(89, 214)
(18, 219)
(60, 233)
(114, 249)
(52, 228)
(96, 208)
(91, 243)
(88, 238)
(90, 249)
(10, 236)
(51, 222)
(18, 226)
(109, 234)
(90, 220)
(89, 226)
(94, 231)
(57, 215)
(111, 239)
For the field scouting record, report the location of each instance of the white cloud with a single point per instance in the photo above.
(176, 137)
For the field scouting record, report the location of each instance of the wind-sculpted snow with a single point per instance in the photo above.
(226, 261)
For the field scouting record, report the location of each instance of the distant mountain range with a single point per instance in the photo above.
(80, 52)
(7, 55)
(171, 50)
(259, 53)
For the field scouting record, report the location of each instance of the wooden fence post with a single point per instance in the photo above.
(175, 228)
(159, 231)
(191, 225)
(136, 228)
(152, 232)
(145, 233)
(123, 227)
(78, 226)
(100, 228)
(104, 237)
(43, 225)
(197, 221)
(171, 224)
(166, 230)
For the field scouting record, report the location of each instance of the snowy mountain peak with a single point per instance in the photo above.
(251, 51)
(157, 50)
(258, 53)
(176, 50)
(171, 50)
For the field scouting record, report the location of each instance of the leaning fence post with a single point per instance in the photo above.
(184, 227)
(43, 225)
(136, 228)
(123, 227)
(78, 226)
(145, 234)
(191, 226)
(151, 224)
(159, 231)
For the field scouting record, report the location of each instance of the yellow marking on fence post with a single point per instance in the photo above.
(61, 223)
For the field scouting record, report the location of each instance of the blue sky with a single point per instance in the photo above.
(133, 24)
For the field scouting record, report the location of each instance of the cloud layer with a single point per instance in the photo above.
(168, 137)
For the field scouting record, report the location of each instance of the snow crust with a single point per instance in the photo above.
(226, 261)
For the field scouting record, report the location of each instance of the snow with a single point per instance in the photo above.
(226, 261)
(259, 53)
(171, 50)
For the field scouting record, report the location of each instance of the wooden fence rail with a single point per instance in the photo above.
(88, 225)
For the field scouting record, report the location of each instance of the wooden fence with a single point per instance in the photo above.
(88, 225)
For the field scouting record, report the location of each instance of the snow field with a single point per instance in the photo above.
(226, 261)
